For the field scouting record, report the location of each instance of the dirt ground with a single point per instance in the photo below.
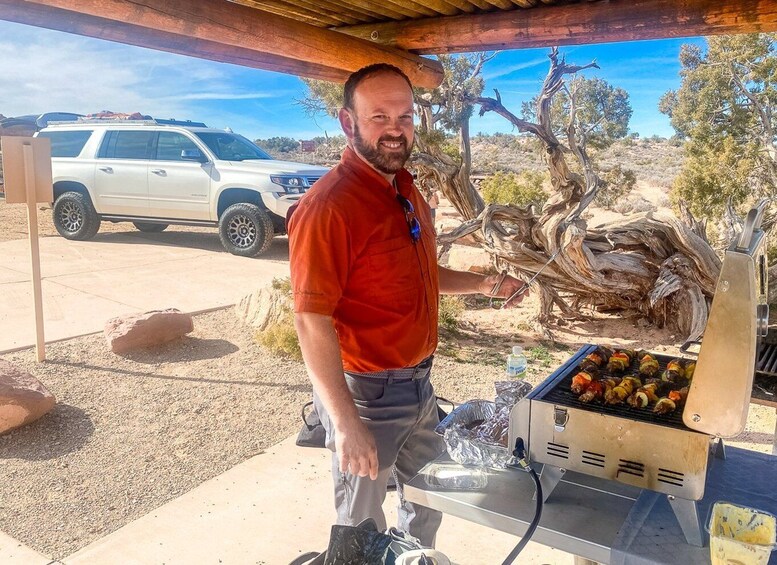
(131, 432)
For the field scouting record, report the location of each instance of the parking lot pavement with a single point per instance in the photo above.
(85, 283)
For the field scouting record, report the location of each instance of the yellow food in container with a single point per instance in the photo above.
(741, 535)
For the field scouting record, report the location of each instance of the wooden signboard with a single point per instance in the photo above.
(14, 171)
(27, 177)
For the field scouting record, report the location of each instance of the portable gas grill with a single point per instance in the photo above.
(669, 453)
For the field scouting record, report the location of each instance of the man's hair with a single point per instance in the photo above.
(364, 73)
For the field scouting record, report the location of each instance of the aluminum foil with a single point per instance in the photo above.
(475, 432)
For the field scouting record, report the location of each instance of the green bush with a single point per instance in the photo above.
(281, 338)
(451, 307)
(520, 189)
(613, 184)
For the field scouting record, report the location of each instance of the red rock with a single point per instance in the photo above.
(23, 398)
(138, 331)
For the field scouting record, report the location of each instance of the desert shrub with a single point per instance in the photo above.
(281, 338)
(614, 183)
(451, 307)
(520, 189)
(632, 204)
(278, 144)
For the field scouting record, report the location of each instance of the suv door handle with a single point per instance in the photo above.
(106, 169)
(160, 172)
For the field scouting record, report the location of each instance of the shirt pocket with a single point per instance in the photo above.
(393, 267)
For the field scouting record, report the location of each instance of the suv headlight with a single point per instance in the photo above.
(290, 184)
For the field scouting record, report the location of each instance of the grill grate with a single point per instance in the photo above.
(563, 396)
(766, 363)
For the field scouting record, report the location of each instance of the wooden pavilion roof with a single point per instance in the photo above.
(328, 39)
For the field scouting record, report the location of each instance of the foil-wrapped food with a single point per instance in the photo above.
(475, 432)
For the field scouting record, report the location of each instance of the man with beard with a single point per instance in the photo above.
(366, 288)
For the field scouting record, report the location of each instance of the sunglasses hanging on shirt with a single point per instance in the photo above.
(412, 221)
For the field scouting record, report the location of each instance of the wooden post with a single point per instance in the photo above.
(27, 173)
(32, 222)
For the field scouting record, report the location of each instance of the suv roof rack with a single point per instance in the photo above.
(151, 122)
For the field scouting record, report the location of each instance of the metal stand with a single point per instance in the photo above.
(720, 450)
(687, 512)
(549, 478)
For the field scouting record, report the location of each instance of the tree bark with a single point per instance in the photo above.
(652, 263)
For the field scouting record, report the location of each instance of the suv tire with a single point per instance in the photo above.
(75, 217)
(149, 227)
(245, 230)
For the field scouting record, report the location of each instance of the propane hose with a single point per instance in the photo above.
(520, 454)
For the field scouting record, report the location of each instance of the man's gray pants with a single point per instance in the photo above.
(400, 409)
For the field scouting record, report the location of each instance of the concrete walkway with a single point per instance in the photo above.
(86, 283)
(267, 510)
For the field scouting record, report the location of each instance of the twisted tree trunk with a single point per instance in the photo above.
(652, 263)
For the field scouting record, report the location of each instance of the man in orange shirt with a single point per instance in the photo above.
(366, 287)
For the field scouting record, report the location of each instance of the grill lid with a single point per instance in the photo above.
(719, 396)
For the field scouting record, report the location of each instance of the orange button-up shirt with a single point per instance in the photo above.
(352, 258)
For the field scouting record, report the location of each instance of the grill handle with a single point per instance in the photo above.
(685, 348)
(752, 223)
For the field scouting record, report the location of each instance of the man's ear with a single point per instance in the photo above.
(346, 122)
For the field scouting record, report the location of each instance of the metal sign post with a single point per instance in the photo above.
(27, 174)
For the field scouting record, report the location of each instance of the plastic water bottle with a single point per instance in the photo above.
(516, 363)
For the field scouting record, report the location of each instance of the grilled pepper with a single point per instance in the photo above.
(621, 392)
(581, 381)
(671, 401)
(689, 365)
(674, 371)
(648, 365)
(620, 360)
(596, 359)
(597, 389)
(644, 395)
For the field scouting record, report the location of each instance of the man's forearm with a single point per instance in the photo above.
(321, 352)
(462, 282)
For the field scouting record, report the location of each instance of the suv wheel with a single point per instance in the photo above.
(148, 227)
(245, 230)
(75, 217)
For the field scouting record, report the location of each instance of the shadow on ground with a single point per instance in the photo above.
(195, 350)
(206, 241)
(63, 430)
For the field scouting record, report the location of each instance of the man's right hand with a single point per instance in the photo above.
(356, 450)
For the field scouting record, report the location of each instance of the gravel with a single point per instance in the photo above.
(130, 433)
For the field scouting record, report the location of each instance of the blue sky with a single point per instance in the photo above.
(44, 71)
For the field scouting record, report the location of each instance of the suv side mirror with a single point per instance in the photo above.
(193, 155)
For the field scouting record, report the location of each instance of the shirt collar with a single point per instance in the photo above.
(372, 178)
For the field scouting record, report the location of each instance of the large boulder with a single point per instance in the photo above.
(23, 398)
(264, 307)
(139, 331)
(473, 259)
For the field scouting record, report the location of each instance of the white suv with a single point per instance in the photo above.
(154, 173)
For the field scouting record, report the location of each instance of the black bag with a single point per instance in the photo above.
(313, 434)
(361, 545)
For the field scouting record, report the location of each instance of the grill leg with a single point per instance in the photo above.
(774, 441)
(549, 478)
(687, 513)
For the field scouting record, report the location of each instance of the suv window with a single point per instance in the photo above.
(231, 147)
(66, 143)
(170, 144)
(126, 145)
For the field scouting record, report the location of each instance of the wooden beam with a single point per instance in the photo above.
(221, 31)
(573, 24)
(61, 20)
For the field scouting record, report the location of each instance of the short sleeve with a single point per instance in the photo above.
(319, 255)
